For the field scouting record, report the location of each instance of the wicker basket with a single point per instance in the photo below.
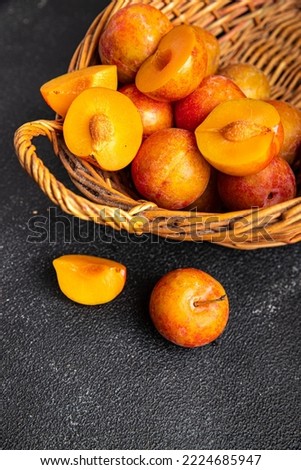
(265, 33)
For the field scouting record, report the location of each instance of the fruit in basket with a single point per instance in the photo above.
(131, 36)
(177, 66)
(274, 184)
(104, 124)
(210, 200)
(194, 108)
(61, 91)
(249, 78)
(291, 121)
(240, 137)
(155, 115)
(212, 48)
(169, 169)
(189, 307)
(89, 280)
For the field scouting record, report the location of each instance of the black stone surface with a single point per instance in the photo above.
(102, 378)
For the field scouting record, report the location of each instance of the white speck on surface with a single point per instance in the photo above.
(42, 3)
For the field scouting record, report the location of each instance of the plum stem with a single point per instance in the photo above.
(200, 303)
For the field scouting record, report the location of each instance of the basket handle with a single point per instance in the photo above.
(66, 199)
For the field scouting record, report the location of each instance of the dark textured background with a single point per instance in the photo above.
(102, 378)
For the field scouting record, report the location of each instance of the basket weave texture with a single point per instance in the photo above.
(263, 33)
